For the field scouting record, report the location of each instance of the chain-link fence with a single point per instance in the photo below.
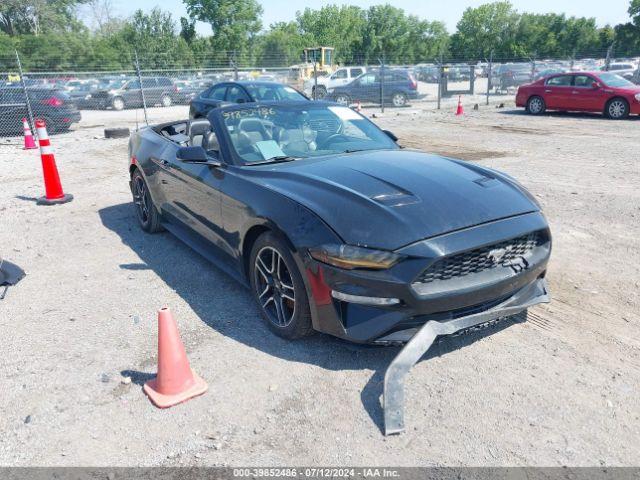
(156, 89)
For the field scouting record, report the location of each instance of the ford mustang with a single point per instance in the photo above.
(335, 228)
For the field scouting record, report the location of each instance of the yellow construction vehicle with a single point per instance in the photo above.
(316, 59)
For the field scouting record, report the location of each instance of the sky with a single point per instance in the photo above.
(450, 11)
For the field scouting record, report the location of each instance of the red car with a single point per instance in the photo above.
(603, 92)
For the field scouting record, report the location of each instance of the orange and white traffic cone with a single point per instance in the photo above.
(53, 188)
(460, 110)
(29, 142)
(175, 382)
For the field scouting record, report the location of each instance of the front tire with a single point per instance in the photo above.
(617, 109)
(146, 211)
(278, 288)
(343, 99)
(536, 105)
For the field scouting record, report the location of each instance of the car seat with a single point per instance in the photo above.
(197, 129)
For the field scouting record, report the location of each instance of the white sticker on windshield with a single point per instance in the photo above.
(269, 149)
(345, 113)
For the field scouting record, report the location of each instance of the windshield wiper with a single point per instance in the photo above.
(278, 159)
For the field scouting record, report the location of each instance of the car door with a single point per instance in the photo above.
(355, 72)
(131, 93)
(558, 92)
(237, 94)
(210, 98)
(588, 97)
(192, 192)
(367, 87)
(339, 78)
(151, 91)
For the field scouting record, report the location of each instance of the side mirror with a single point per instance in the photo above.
(196, 155)
(241, 100)
(595, 85)
(391, 135)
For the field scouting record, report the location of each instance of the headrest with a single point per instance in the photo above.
(199, 127)
(210, 142)
(251, 125)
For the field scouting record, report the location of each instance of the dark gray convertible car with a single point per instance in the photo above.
(337, 229)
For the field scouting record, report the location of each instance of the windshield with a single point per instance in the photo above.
(267, 93)
(613, 80)
(290, 132)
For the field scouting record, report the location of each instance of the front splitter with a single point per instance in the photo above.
(421, 340)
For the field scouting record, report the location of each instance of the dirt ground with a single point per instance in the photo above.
(558, 389)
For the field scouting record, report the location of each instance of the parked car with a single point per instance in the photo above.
(157, 91)
(186, 91)
(337, 229)
(427, 73)
(81, 95)
(603, 92)
(513, 75)
(241, 92)
(50, 104)
(399, 87)
(622, 69)
(342, 76)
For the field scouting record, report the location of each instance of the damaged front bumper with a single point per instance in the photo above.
(421, 339)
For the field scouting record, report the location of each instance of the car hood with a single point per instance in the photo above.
(390, 198)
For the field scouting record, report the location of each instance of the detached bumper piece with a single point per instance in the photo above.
(10, 274)
(533, 294)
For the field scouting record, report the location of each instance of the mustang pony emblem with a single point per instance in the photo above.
(498, 254)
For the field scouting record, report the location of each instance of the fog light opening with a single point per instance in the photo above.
(377, 301)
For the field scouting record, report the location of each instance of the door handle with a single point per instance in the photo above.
(548, 91)
(575, 92)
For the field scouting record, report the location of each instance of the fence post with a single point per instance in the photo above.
(315, 80)
(440, 79)
(26, 94)
(489, 75)
(144, 102)
(607, 62)
(533, 68)
(573, 60)
(234, 65)
(381, 83)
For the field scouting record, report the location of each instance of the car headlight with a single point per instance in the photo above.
(638, 97)
(87, 97)
(330, 90)
(350, 257)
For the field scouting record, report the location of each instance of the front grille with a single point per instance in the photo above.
(475, 261)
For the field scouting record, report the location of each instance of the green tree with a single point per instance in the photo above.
(280, 46)
(487, 28)
(234, 23)
(19, 17)
(333, 26)
(154, 37)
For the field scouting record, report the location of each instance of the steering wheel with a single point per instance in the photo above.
(331, 138)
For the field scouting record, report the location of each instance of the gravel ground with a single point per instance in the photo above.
(558, 389)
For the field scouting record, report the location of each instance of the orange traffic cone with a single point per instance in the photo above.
(29, 142)
(52, 186)
(175, 382)
(460, 110)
